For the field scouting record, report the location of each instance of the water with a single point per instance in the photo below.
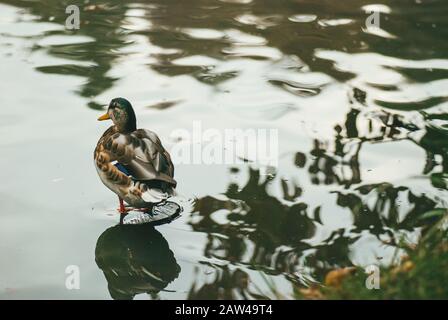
(361, 126)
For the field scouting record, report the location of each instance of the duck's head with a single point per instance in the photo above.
(121, 113)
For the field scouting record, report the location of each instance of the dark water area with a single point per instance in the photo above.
(362, 138)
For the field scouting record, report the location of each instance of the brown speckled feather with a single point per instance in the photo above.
(104, 158)
(141, 153)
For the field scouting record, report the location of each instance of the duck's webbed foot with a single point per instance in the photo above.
(145, 210)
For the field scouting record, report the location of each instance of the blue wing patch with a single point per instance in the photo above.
(122, 168)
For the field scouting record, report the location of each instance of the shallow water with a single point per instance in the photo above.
(361, 130)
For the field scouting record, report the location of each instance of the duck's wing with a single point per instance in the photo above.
(143, 155)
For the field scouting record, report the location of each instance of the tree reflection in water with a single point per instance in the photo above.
(263, 232)
(225, 285)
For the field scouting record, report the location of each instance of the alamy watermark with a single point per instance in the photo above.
(73, 21)
(73, 279)
(373, 278)
(227, 146)
(373, 20)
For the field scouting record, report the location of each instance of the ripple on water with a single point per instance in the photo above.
(203, 33)
(197, 60)
(269, 53)
(303, 18)
(302, 83)
(29, 29)
(296, 88)
(393, 83)
(212, 77)
(260, 22)
(55, 40)
(238, 37)
(335, 22)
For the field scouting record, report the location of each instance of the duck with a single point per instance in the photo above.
(133, 163)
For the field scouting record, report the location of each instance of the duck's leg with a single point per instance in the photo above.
(122, 210)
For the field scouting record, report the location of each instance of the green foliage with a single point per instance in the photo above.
(422, 274)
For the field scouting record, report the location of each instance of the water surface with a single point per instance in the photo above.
(360, 114)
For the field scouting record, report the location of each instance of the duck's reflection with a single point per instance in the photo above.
(135, 259)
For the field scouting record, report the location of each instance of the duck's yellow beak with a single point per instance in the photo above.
(104, 117)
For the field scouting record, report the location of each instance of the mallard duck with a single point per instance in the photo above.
(133, 162)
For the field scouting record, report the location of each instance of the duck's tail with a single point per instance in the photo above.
(158, 191)
(155, 195)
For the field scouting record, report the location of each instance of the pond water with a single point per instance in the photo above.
(362, 141)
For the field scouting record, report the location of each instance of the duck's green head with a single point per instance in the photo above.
(121, 113)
